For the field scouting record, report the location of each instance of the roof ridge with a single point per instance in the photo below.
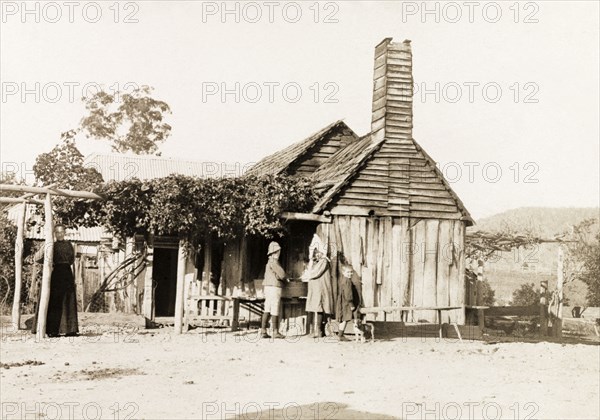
(295, 150)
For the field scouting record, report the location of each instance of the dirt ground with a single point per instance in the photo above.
(119, 372)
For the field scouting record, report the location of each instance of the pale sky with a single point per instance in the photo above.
(543, 125)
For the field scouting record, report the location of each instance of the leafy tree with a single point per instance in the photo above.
(526, 295)
(582, 260)
(130, 121)
(488, 295)
(63, 166)
(8, 233)
(10, 179)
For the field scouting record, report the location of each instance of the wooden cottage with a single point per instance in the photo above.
(384, 207)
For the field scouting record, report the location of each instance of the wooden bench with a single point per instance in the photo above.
(256, 306)
(392, 309)
(208, 308)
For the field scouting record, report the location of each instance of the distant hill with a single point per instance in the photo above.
(539, 263)
(545, 221)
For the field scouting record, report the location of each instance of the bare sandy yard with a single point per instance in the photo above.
(152, 374)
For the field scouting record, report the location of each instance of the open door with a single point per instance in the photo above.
(164, 274)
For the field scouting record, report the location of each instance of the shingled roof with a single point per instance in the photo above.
(342, 169)
(336, 172)
(283, 160)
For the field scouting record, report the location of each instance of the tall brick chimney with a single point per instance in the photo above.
(392, 91)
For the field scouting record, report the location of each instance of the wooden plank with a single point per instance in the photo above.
(343, 229)
(13, 200)
(405, 262)
(432, 194)
(426, 183)
(395, 266)
(305, 216)
(50, 190)
(459, 239)
(432, 207)
(16, 308)
(434, 201)
(369, 272)
(386, 280)
(389, 309)
(444, 262)
(435, 215)
(365, 203)
(418, 267)
(349, 210)
(533, 310)
(359, 183)
(365, 193)
(332, 239)
(430, 251)
(47, 270)
(557, 320)
(179, 294)
(454, 284)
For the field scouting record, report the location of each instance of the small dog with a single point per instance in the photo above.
(360, 328)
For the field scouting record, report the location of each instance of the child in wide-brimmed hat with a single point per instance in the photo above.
(274, 279)
(349, 299)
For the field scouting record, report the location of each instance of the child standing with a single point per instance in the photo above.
(273, 282)
(349, 299)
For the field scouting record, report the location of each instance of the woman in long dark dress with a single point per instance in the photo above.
(62, 306)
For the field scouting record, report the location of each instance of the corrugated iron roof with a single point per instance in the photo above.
(121, 167)
(35, 229)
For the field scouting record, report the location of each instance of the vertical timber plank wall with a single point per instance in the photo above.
(430, 275)
(401, 265)
(417, 269)
(459, 240)
(445, 259)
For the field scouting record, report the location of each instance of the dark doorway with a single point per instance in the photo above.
(164, 274)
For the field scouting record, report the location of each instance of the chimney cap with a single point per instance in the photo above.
(385, 41)
(406, 41)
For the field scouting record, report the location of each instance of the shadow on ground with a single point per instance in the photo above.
(320, 410)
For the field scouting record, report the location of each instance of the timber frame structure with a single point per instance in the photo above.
(25, 199)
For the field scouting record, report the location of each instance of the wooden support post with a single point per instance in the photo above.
(557, 323)
(148, 302)
(47, 271)
(543, 309)
(207, 269)
(106, 297)
(16, 309)
(479, 284)
(480, 319)
(179, 295)
(79, 278)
